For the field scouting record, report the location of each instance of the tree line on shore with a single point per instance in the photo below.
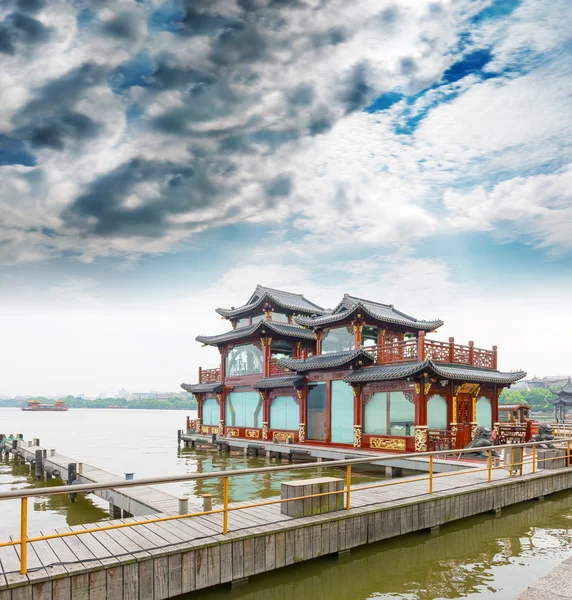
(175, 403)
(538, 398)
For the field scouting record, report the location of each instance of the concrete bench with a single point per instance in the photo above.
(312, 506)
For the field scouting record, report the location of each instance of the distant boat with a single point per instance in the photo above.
(36, 405)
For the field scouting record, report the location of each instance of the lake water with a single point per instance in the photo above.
(483, 557)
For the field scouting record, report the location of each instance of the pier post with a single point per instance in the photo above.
(36, 441)
(115, 512)
(179, 435)
(183, 506)
(72, 476)
(207, 502)
(38, 466)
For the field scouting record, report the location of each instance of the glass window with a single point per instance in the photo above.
(243, 409)
(369, 336)
(342, 413)
(437, 412)
(279, 317)
(282, 349)
(211, 412)
(317, 411)
(484, 412)
(337, 340)
(401, 414)
(375, 414)
(258, 318)
(244, 360)
(284, 413)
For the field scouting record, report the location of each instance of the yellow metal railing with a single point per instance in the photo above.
(23, 495)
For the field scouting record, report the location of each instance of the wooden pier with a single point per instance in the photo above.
(172, 555)
(131, 502)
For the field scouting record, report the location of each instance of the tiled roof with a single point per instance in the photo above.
(327, 361)
(445, 371)
(381, 312)
(284, 329)
(279, 382)
(566, 390)
(202, 387)
(513, 406)
(286, 300)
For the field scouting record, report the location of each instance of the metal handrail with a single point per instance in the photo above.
(23, 495)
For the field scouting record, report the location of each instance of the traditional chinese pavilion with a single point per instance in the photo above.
(361, 375)
(562, 400)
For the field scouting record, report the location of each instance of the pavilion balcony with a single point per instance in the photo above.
(209, 375)
(422, 349)
(276, 368)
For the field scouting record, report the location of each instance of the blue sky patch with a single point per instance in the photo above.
(168, 17)
(14, 152)
(384, 102)
(472, 63)
(134, 72)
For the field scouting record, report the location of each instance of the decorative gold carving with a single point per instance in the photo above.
(302, 433)
(221, 427)
(214, 430)
(357, 436)
(282, 436)
(355, 391)
(300, 394)
(252, 433)
(453, 429)
(198, 426)
(426, 388)
(388, 444)
(473, 429)
(204, 429)
(421, 438)
(218, 398)
(468, 388)
(408, 396)
(264, 431)
(232, 432)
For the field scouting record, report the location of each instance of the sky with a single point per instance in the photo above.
(159, 158)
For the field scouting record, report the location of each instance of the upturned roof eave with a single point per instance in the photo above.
(404, 321)
(280, 329)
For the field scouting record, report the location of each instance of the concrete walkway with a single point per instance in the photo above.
(555, 585)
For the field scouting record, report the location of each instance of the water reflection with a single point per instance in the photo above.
(483, 556)
(256, 486)
(44, 511)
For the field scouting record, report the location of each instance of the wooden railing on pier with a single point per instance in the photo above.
(421, 349)
(23, 540)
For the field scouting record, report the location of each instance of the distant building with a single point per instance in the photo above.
(546, 382)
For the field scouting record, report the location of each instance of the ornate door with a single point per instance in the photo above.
(464, 417)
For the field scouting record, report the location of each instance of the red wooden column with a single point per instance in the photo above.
(302, 403)
(318, 342)
(265, 413)
(223, 354)
(421, 429)
(421, 350)
(266, 355)
(199, 411)
(358, 415)
(222, 410)
(495, 357)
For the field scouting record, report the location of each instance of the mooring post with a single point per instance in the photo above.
(183, 506)
(36, 441)
(207, 502)
(72, 476)
(38, 467)
(179, 436)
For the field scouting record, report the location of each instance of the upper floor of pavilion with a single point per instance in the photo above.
(276, 332)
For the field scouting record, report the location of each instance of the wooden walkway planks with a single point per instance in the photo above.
(185, 554)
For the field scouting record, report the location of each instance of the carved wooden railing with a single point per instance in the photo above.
(276, 368)
(422, 348)
(209, 375)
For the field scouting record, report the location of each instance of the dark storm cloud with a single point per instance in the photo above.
(102, 209)
(62, 93)
(19, 31)
(123, 26)
(356, 91)
(67, 126)
(31, 6)
(279, 187)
